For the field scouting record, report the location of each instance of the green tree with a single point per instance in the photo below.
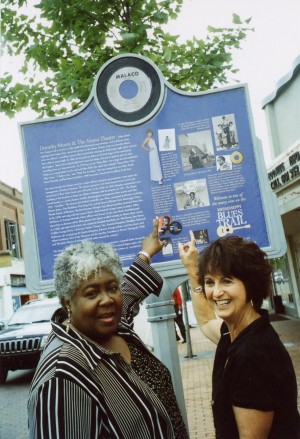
(67, 41)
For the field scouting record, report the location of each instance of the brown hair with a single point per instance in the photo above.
(237, 257)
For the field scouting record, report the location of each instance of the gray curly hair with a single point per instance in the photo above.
(79, 261)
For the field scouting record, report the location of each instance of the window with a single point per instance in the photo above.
(12, 238)
(17, 280)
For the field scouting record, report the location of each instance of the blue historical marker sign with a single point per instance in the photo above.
(136, 150)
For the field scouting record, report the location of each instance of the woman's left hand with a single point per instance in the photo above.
(152, 244)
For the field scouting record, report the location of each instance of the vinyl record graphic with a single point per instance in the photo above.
(129, 90)
(236, 157)
(175, 227)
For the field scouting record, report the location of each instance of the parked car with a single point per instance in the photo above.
(278, 277)
(23, 337)
(3, 323)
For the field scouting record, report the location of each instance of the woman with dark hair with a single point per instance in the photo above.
(254, 389)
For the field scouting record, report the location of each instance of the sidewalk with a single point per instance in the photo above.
(196, 374)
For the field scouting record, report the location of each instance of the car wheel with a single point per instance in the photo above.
(3, 375)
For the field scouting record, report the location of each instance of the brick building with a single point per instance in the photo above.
(13, 292)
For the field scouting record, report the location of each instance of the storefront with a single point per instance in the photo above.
(282, 110)
(284, 177)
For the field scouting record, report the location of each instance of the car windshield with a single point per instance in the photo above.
(33, 314)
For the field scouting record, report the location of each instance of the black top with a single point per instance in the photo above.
(255, 371)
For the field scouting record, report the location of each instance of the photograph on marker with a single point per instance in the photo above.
(225, 132)
(191, 194)
(196, 149)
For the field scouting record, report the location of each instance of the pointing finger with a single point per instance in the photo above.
(192, 236)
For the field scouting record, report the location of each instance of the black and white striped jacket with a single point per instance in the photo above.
(82, 391)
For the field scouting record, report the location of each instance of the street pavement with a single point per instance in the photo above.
(13, 403)
(196, 361)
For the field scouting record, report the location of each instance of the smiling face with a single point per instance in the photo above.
(96, 306)
(227, 296)
(237, 258)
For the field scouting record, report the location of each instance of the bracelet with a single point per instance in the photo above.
(142, 252)
(198, 290)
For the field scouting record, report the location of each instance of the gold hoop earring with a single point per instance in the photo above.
(68, 320)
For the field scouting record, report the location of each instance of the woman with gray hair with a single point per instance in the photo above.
(96, 379)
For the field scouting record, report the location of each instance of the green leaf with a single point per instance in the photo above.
(128, 36)
(167, 54)
(236, 19)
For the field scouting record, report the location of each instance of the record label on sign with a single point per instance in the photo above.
(129, 90)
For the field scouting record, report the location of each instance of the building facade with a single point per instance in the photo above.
(282, 110)
(13, 292)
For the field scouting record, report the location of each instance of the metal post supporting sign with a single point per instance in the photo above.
(186, 320)
(161, 314)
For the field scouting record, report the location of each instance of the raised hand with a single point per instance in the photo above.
(189, 256)
(152, 244)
